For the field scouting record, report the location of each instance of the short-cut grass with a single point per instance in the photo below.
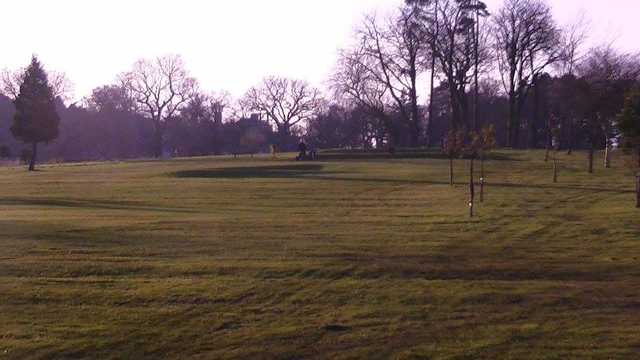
(355, 256)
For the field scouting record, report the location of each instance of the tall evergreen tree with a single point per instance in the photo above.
(629, 122)
(36, 120)
(629, 127)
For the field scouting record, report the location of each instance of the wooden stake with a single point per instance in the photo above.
(472, 189)
(638, 190)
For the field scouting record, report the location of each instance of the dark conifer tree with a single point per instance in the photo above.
(629, 127)
(36, 120)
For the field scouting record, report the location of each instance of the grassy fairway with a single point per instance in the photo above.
(366, 258)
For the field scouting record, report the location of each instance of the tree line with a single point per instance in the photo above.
(513, 69)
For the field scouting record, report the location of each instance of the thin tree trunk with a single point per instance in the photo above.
(590, 156)
(451, 171)
(157, 140)
(531, 134)
(515, 107)
(482, 179)
(533, 122)
(511, 121)
(555, 169)
(472, 188)
(415, 114)
(638, 190)
(607, 155)
(549, 140)
(456, 111)
(284, 137)
(433, 79)
(431, 112)
(571, 137)
(464, 110)
(476, 90)
(516, 134)
(34, 156)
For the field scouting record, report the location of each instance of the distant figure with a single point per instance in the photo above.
(302, 149)
(313, 154)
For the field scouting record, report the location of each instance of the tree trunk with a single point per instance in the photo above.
(532, 134)
(590, 156)
(515, 142)
(455, 112)
(431, 112)
(451, 171)
(415, 123)
(510, 121)
(532, 142)
(607, 155)
(34, 156)
(157, 140)
(432, 85)
(482, 179)
(638, 190)
(476, 91)
(472, 188)
(571, 137)
(415, 110)
(464, 110)
(549, 141)
(388, 131)
(283, 141)
(555, 169)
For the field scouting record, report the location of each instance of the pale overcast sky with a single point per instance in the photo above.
(227, 44)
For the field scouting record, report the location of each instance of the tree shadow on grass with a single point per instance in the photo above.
(563, 187)
(488, 185)
(251, 172)
(316, 172)
(87, 204)
(361, 155)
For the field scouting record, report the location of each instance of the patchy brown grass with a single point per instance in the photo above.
(356, 257)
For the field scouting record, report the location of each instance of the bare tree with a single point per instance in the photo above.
(453, 147)
(606, 75)
(429, 17)
(449, 24)
(219, 103)
(285, 102)
(555, 133)
(457, 54)
(10, 81)
(432, 72)
(408, 52)
(572, 39)
(527, 42)
(472, 150)
(479, 10)
(487, 142)
(354, 84)
(393, 54)
(161, 87)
